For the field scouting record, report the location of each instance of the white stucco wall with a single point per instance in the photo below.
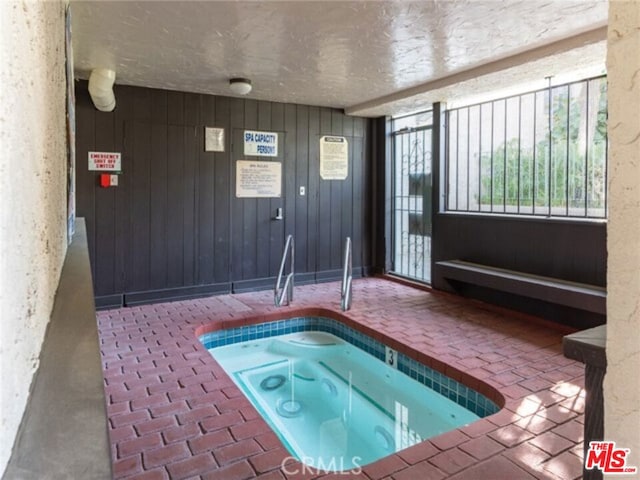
(622, 380)
(32, 194)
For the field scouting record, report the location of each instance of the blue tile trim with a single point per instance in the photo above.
(450, 388)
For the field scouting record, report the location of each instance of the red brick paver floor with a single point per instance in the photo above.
(174, 413)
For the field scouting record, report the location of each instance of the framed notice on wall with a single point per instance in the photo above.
(213, 139)
(105, 161)
(334, 158)
(258, 179)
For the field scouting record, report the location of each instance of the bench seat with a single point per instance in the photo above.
(582, 296)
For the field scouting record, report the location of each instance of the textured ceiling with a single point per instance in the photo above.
(370, 57)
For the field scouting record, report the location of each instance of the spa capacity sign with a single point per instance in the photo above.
(109, 161)
(334, 158)
(258, 179)
(260, 144)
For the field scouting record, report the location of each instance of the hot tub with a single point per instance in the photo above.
(332, 398)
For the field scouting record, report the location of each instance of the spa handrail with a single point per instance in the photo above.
(347, 276)
(287, 290)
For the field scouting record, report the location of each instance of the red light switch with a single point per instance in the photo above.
(105, 180)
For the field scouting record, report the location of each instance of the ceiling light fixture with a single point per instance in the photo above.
(240, 86)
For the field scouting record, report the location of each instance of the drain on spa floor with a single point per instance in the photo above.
(272, 382)
(289, 408)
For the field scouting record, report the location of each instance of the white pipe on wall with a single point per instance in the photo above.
(101, 89)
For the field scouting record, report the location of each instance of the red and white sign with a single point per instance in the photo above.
(110, 161)
(609, 459)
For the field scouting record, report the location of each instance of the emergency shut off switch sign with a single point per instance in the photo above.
(105, 161)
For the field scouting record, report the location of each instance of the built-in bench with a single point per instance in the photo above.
(64, 431)
(582, 296)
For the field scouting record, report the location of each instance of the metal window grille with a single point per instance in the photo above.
(412, 196)
(539, 153)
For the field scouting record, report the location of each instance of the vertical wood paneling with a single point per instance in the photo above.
(312, 202)
(174, 222)
(206, 196)
(175, 108)
(222, 197)
(337, 187)
(140, 135)
(358, 200)
(300, 204)
(158, 206)
(263, 207)
(175, 212)
(191, 109)
(324, 226)
(159, 107)
(348, 186)
(142, 106)
(249, 246)
(190, 229)
(123, 191)
(104, 211)
(276, 234)
(237, 205)
(194, 144)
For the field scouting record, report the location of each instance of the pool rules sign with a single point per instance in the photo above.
(334, 158)
(258, 179)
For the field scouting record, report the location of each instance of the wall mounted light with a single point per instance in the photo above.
(240, 86)
(101, 89)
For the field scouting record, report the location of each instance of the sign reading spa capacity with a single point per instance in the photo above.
(260, 144)
(109, 161)
(334, 158)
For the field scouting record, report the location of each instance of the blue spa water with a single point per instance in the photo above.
(333, 405)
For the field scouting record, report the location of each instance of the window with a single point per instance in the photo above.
(539, 153)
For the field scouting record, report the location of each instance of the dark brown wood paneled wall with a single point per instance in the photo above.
(173, 227)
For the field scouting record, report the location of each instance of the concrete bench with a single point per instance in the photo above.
(582, 296)
(64, 430)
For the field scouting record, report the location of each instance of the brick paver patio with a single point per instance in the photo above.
(174, 413)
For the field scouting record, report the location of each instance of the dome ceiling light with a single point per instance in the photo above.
(240, 86)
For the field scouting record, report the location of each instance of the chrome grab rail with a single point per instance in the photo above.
(287, 290)
(347, 276)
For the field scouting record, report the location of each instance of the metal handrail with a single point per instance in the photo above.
(287, 290)
(347, 276)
